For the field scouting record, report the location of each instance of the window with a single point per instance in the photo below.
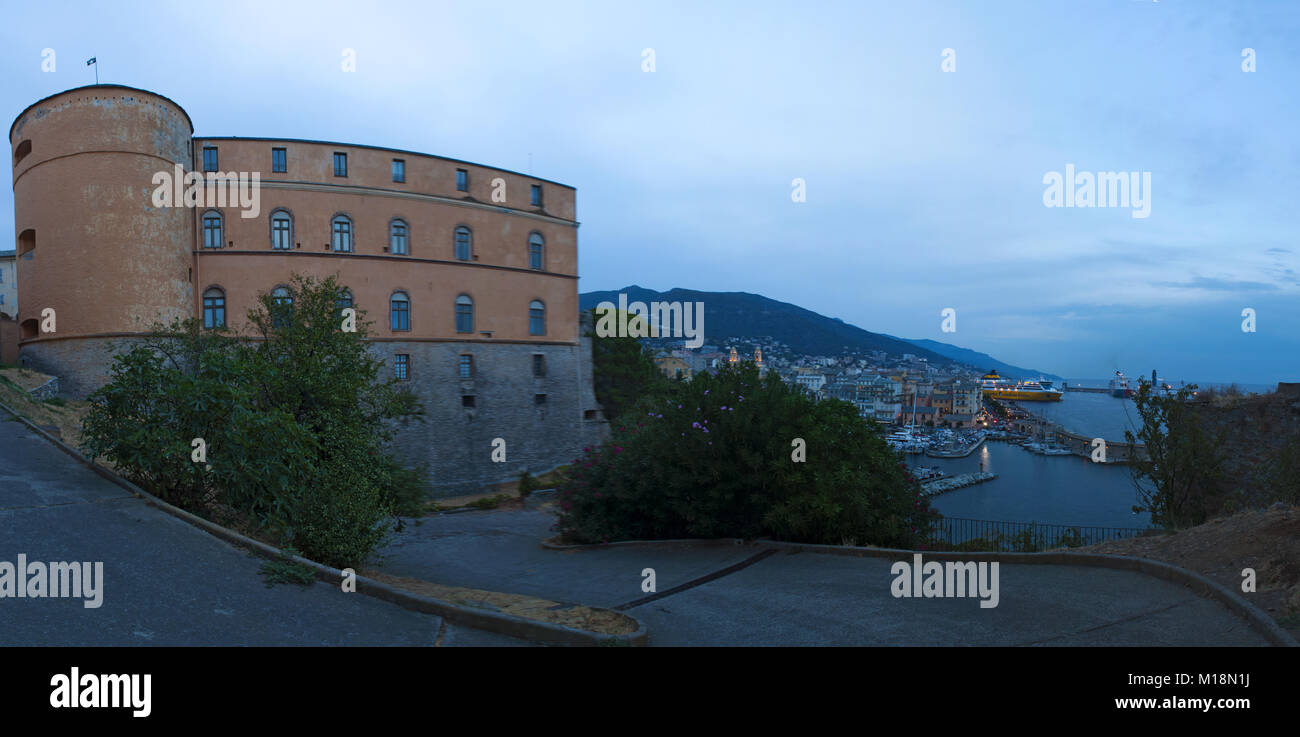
(397, 236)
(345, 299)
(464, 314)
(214, 308)
(26, 243)
(281, 306)
(537, 195)
(340, 164)
(281, 231)
(209, 158)
(536, 318)
(467, 401)
(21, 152)
(402, 366)
(536, 247)
(400, 311)
(464, 243)
(279, 162)
(466, 366)
(539, 399)
(462, 180)
(342, 233)
(399, 170)
(212, 229)
(539, 365)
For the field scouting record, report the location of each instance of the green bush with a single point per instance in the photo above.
(295, 425)
(714, 459)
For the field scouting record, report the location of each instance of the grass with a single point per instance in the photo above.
(284, 571)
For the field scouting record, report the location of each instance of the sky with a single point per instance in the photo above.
(924, 188)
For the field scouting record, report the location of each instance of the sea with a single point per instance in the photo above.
(1067, 490)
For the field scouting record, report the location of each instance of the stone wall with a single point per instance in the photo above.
(81, 364)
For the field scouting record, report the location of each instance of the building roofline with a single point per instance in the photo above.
(384, 148)
(100, 86)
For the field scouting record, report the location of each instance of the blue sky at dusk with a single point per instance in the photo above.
(924, 187)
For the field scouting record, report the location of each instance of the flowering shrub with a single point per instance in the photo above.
(713, 459)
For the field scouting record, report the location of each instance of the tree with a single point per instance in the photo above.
(623, 373)
(1181, 479)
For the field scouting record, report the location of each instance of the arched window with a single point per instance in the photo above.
(464, 314)
(464, 243)
(536, 251)
(23, 149)
(536, 318)
(26, 242)
(214, 308)
(341, 229)
(212, 230)
(345, 299)
(399, 309)
(397, 236)
(281, 230)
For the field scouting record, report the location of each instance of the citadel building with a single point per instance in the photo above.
(467, 272)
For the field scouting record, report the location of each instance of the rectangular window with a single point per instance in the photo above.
(211, 231)
(467, 401)
(462, 180)
(402, 366)
(539, 364)
(214, 312)
(466, 367)
(279, 162)
(539, 399)
(399, 170)
(209, 158)
(537, 195)
(340, 164)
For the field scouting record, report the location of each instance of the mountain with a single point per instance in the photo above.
(979, 360)
(732, 315)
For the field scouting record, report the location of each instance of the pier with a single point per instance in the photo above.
(1079, 445)
(941, 486)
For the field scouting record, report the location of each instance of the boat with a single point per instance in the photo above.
(1041, 390)
(1119, 386)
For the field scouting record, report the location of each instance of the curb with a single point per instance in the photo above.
(1200, 585)
(482, 619)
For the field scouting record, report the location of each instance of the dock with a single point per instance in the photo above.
(942, 486)
(947, 452)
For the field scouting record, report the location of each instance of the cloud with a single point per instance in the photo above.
(1218, 285)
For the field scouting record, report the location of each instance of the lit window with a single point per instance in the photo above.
(397, 237)
(400, 311)
(464, 314)
(214, 308)
(281, 231)
(212, 236)
(536, 318)
(342, 233)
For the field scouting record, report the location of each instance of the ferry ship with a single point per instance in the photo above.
(1119, 386)
(1030, 391)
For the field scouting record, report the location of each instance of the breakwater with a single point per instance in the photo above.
(940, 486)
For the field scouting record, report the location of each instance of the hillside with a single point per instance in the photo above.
(730, 316)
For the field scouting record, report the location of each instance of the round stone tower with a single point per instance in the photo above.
(97, 261)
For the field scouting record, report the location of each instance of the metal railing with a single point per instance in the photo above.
(957, 533)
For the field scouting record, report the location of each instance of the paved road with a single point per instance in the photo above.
(166, 582)
(808, 598)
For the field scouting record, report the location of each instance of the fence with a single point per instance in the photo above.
(957, 533)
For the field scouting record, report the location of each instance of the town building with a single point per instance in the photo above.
(467, 272)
